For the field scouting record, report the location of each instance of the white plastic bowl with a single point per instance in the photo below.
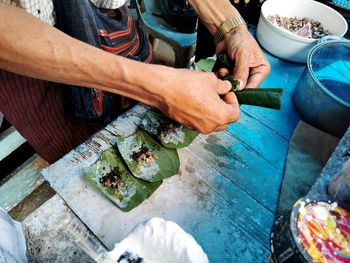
(287, 45)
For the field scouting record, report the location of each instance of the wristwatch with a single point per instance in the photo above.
(229, 25)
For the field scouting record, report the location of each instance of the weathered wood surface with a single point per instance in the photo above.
(10, 140)
(23, 181)
(46, 240)
(227, 189)
(200, 199)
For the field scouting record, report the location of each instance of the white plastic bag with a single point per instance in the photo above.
(159, 241)
(12, 242)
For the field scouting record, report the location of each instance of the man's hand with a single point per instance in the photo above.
(193, 99)
(251, 67)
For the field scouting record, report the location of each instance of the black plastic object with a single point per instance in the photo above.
(287, 242)
(249, 9)
(284, 248)
(179, 15)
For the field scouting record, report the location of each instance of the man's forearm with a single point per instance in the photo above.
(214, 12)
(192, 98)
(33, 48)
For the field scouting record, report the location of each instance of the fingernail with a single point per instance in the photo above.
(228, 83)
(240, 84)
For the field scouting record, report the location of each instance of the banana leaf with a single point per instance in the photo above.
(146, 158)
(168, 132)
(205, 64)
(131, 191)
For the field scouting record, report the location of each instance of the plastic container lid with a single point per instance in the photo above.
(321, 231)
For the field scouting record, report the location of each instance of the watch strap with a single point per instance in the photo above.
(229, 25)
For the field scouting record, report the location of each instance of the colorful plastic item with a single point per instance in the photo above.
(314, 231)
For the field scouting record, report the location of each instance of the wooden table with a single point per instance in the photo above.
(226, 192)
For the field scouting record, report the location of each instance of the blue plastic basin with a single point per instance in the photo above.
(322, 94)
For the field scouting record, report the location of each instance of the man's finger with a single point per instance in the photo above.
(223, 72)
(221, 128)
(223, 86)
(257, 75)
(233, 116)
(241, 70)
(230, 98)
(232, 110)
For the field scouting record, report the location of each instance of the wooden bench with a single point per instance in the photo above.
(25, 179)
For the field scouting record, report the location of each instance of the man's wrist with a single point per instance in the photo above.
(214, 13)
(227, 27)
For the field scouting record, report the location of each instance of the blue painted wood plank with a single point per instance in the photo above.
(239, 225)
(280, 122)
(23, 181)
(284, 75)
(10, 140)
(264, 141)
(241, 166)
(243, 248)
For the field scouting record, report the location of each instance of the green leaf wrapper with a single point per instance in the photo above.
(132, 191)
(170, 133)
(268, 98)
(157, 163)
(223, 61)
(235, 83)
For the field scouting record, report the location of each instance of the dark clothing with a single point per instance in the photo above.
(38, 109)
(112, 30)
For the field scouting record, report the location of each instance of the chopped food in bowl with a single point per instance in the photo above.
(288, 45)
